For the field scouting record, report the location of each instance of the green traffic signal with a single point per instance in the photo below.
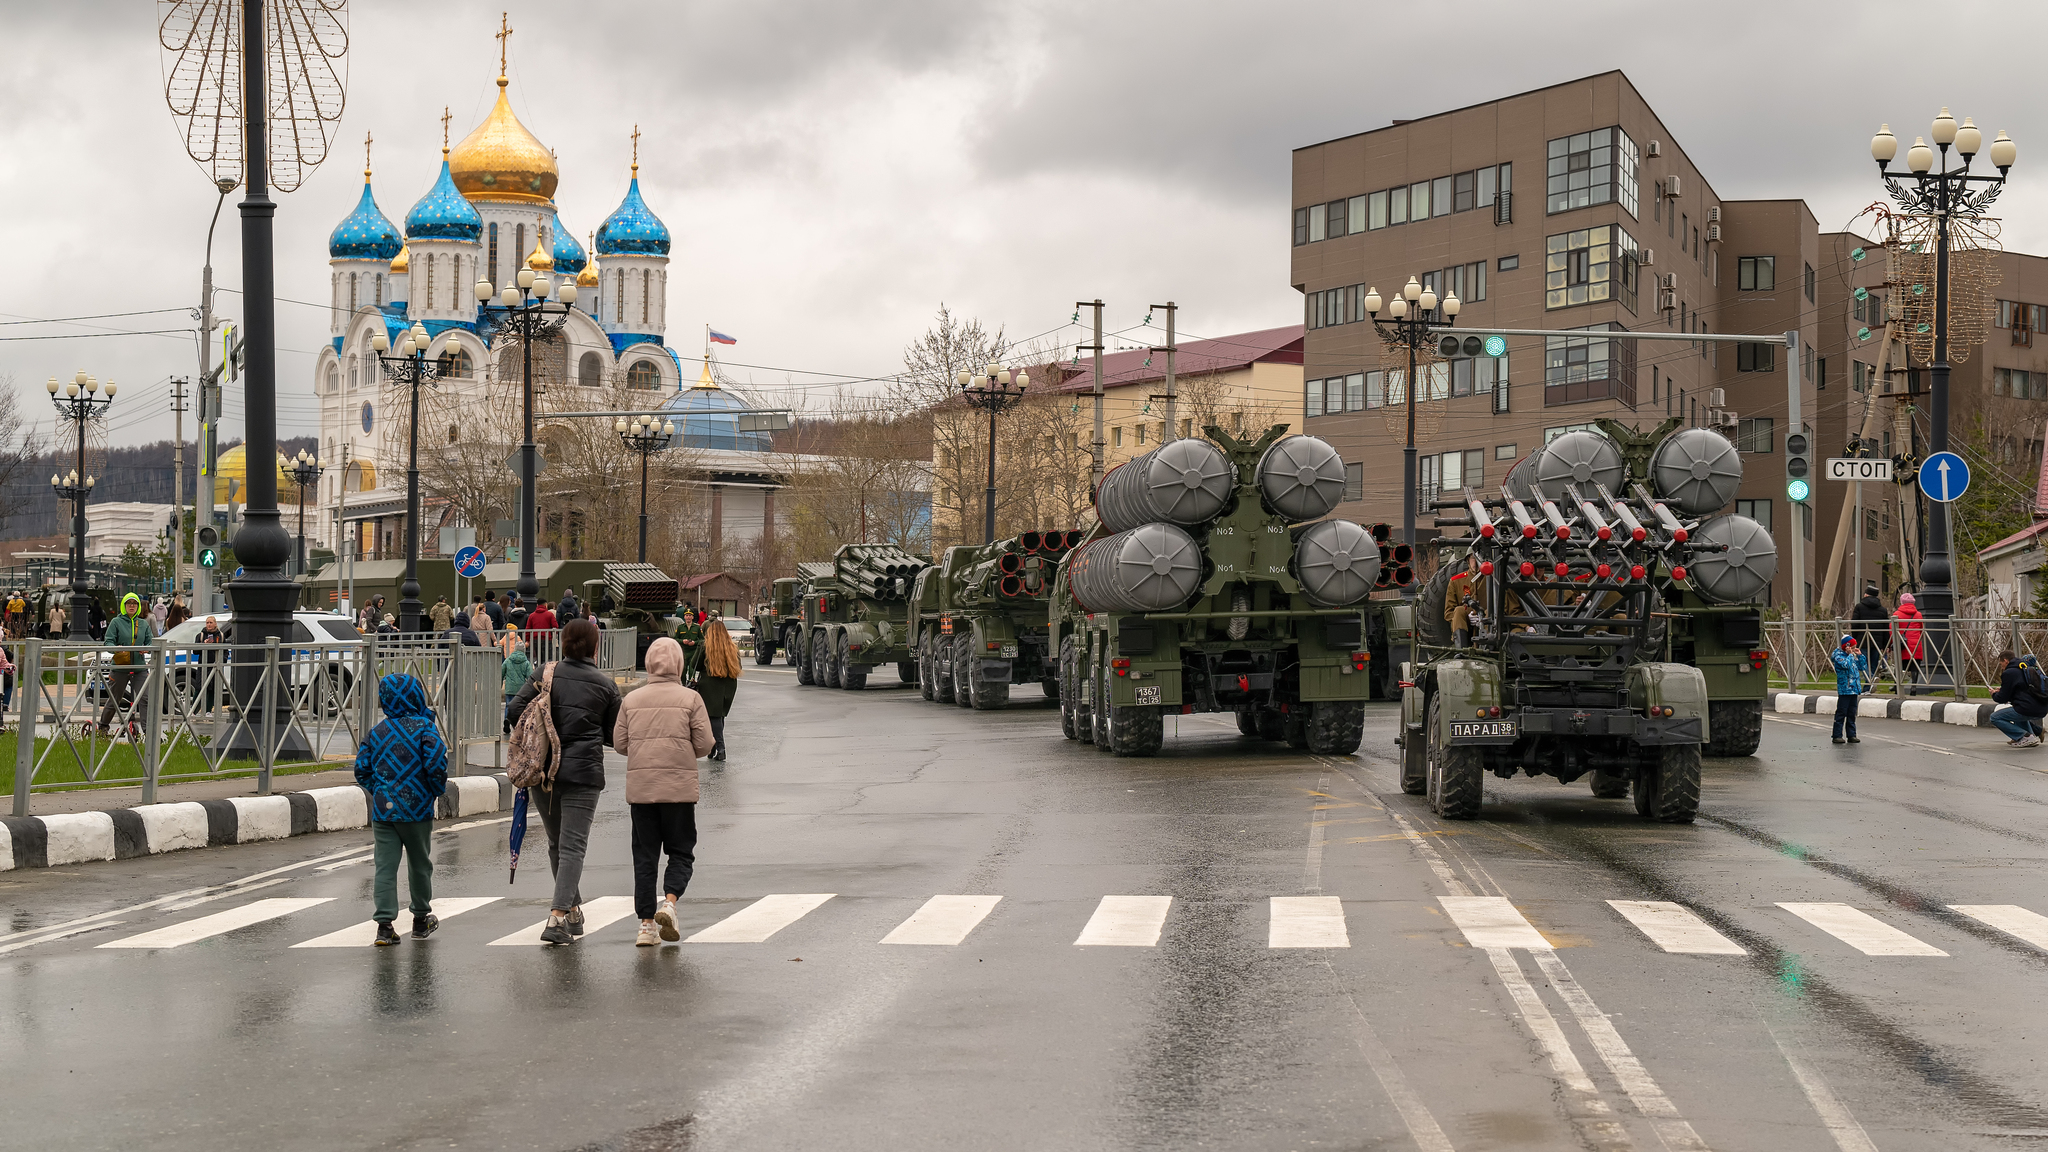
(1797, 490)
(208, 558)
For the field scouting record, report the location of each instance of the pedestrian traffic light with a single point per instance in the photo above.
(209, 548)
(1798, 467)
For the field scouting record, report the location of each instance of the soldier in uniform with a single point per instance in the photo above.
(690, 635)
(1466, 592)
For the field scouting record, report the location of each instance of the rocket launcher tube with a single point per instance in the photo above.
(1592, 513)
(1665, 520)
(1556, 518)
(1520, 512)
(1623, 513)
(1485, 526)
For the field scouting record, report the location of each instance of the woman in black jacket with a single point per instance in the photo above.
(584, 706)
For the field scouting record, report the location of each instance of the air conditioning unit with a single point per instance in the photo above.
(1717, 397)
(1713, 232)
(1670, 282)
(1671, 186)
(1646, 257)
(1667, 300)
(1721, 418)
(1714, 214)
(1655, 149)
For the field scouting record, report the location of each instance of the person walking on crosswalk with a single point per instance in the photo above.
(1851, 675)
(662, 729)
(404, 767)
(584, 704)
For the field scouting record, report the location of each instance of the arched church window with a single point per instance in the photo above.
(351, 373)
(645, 295)
(333, 380)
(451, 433)
(619, 279)
(430, 282)
(380, 289)
(352, 293)
(643, 374)
(494, 257)
(518, 249)
(456, 364)
(590, 370)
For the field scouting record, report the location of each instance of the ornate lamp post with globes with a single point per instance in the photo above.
(1941, 194)
(1415, 311)
(992, 391)
(524, 309)
(645, 436)
(75, 401)
(412, 369)
(305, 470)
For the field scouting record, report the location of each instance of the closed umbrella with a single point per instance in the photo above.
(518, 831)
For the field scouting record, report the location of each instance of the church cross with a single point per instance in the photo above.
(504, 33)
(445, 117)
(636, 147)
(367, 140)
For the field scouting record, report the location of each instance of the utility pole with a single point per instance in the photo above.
(348, 559)
(1095, 447)
(1171, 427)
(1799, 513)
(176, 542)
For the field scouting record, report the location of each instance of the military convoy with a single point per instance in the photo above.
(1565, 670)
(855, 613)
(982, 621)
(777, 621)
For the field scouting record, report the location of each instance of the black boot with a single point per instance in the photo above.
(423, 926)
(386, 934)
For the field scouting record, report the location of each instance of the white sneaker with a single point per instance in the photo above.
(665, 919)
(2029, 741)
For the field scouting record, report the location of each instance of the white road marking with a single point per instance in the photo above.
(1318, 836)
(254, 912)
(944, 920)
(1590, 1113)
(763, 918)
(363, 859)
(241, 889)
(1492, 922)
(596, 915)
(1306, 922)
(45, 939)
(1126, 922)
(1849, 1136)
(363, 935)
(2010, 918)
(1649, 1099)
(1676, 928)
(1860, 930)
(1886, 739)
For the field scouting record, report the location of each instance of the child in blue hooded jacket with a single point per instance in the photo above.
(1852, 672)
(404, 767)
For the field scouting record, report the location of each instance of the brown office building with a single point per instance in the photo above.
(1574, 207)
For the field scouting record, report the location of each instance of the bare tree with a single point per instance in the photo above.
(929, 386)
(19, 444)
(861, 473)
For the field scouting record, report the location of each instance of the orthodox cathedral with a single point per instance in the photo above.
(490, 214)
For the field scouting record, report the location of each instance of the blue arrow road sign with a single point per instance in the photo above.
(469, 562)
(1944, 477)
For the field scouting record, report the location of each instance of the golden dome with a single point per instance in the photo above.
(402, 261)
(501, 160)
(588, 277)
(230, 472)
(540, 260)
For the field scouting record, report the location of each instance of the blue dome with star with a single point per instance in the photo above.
(632, 230)
(443, 213)
(569, 257)
(364, 234)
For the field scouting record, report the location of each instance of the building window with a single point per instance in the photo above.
(1757, 510)
(1440, 195)
(1468, 281)
(352, 383)
(1354, 482)
(643, 374)
(1590, 266)
(456, 364)
(1753, 357)
(1592, 168)
(1397, 205)
(380, 290)
(333, 381)
(1318, 223)
(1588, 368)
(1355, 215)
(493, 257)
(1808, 366)
(1509, 263)
(1376, 211)
(518, 248)
(619, 289)
(1300, 227)
(590, 370)
(1809, 284)
(646, 292)
(1418, 200)
(1756, 434)
(1335, 210)
(1756, 273)
(453, 432)
(1504, 452)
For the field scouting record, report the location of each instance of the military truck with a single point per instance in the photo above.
(642, 597)
(1211, 585)
(856, 615)
(777, 620)
(1565, 670)
(981, 620)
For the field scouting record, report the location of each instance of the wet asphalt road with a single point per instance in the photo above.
(1407, 1036)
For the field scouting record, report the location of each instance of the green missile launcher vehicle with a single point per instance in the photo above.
(778, 621)
(856, 615)
(981, 620)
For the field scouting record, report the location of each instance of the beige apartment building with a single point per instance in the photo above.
(1244, 381)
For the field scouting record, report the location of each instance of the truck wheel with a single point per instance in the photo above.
(927, 687)
(906, 671)
(1136, 731)
(764, 651)
(990, 695)
(1610, 785)
(1336, 727)
(1098, 716)
(1272, 725)
(942, 669)
(1247, 720)
(1668, 788)
(1456, 779)
(793, 650)
(963, 676)
(1064, 693)
(1051, 687)
(844, 675)
(1737, 727)
(1430, 626)
(828, 665)
(1414, 764)
(800, 655)
(1294, 727)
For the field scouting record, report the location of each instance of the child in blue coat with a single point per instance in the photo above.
(404, 767)
(1851, 671)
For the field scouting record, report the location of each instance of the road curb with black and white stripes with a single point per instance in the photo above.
(125, 833)
(1961, 713)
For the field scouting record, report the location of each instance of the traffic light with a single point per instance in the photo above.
(1495, 346)
(1798, 468)
(209, 548)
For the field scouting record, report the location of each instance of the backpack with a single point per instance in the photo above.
(2032, 678)
(531, 760)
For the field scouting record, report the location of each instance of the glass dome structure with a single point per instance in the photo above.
(709, 417)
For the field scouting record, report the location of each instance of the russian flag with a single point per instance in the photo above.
(718, 337)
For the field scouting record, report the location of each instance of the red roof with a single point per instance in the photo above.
(2038, 527)
(1193, 358)
(692, 583)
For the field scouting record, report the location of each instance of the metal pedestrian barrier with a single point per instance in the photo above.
(1800, 654)
(85, 714)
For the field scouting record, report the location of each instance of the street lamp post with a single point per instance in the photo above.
(1415, 311)
(992, 391)
(645, 436)
(305, 470)
(524, 309)
(1943, 194)
(412, 369)
(75, 401)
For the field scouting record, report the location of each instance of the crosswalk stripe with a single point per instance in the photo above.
(1676, 928)
(364, 935)
(763, 918)
(596, 914)
(943, 920)
(1306, 922)
(1860, 930)
(254, 912)
(1126, 922)
(1492, 922)
(2011, 919)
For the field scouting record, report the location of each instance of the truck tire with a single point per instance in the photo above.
(1668, 788)
(1430, 626)
(1136, 730)
(1610, 785)
(1073, 713)
(1271, 724)
(927, 676)
(1456, 776)
(800, 655)
(826, 658)
(793, 648)
(906, 671)
(942, 669)
(1336, 727)
(963, 676)
(844, 675)
(1247, 720)
(764, 650)
(1294, 726)
(1737, 727)
(1099, 715)
(1414, 764)
(1051, 687)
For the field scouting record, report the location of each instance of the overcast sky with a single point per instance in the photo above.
(832, 170)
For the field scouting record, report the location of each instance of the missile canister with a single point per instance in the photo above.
(1301, 478)
(1185, 482)
(1150, 568)
(1743, 571)
(1336, 561)
(1580, 457)
(1696, 471)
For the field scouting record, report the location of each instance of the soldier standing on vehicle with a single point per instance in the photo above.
(1466, 593)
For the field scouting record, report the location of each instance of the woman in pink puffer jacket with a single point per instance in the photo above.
(661, 730)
